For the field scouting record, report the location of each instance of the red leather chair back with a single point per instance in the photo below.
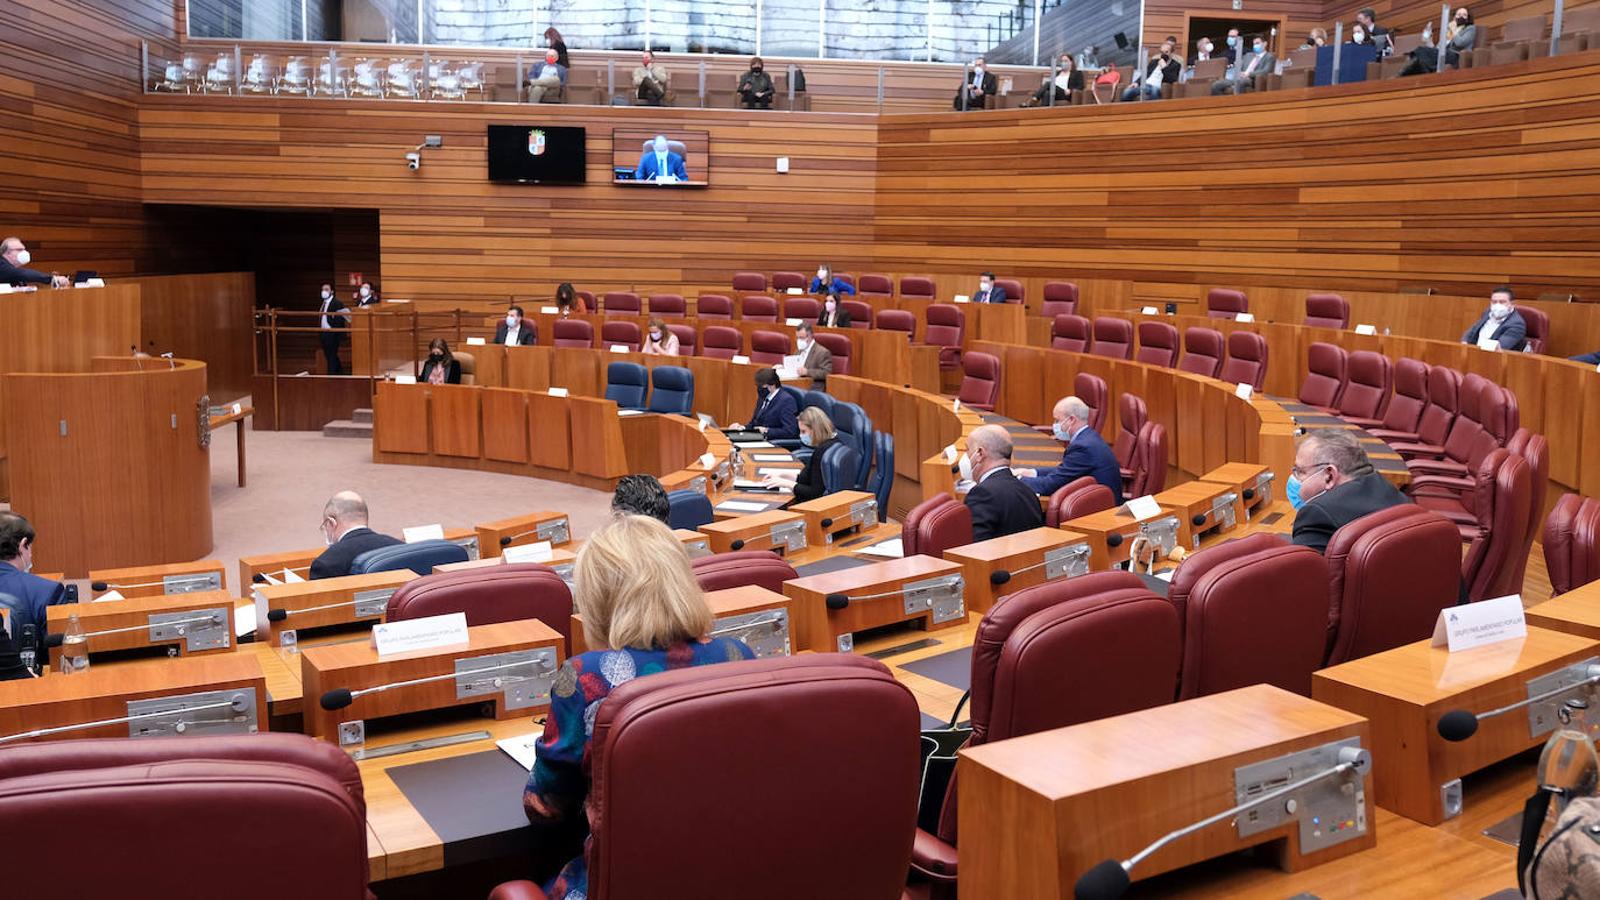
(502, 593)
(1113, 338)
(935, 525)
(980, 380)
(1158, 344)
(819, 830)
(1202, 352)
(947, 325)
(1468, 425)
(1410, 396)
(1231, 596)
(768, 348)
(1080, 497)
(573, 333)
(749, 281)
(686, 338)
(1572, 543)
(782, 281)
(1070, 332)
(624, 333)
(1013, 288)
(1366, 396)
(1247, 360)
(1535, 451)
(1092, 390)
(742, 568)
(1501, 504)
(897, 320)
(1327, 311)
(1222, 303)
(621, 303)
(758, 308)
(1149, 461)
(668, 306)
(1444, 404)
(802, 308)
(586, 302)
(860, 313)
(875, 286)
(917, 286)
(839, 346)
(1389, 574)
(150, 796)
(1060, 299)
(721, 342)
(1326, 375)
(1538, 328)
(713, 306)
(1131, 416)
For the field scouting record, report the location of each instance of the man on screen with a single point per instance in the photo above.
(661, 164)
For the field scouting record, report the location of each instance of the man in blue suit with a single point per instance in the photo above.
(23, 596)
(1506, 326)
(988, 291)
(777, 414)
(659, 161)
(1087, 454)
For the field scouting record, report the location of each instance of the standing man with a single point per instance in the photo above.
(978, 88)
(23, 595)
(1233, 47)
(1368, 19)
(1500, 323)
(545, 76)
(344, 527)
(1086, 454)
(14, 258)
(659, 163)
(1000, 504)
(988, 291)
(755, 86)
(513, 331)
(650, 81)
(816, 361)
(335, 315)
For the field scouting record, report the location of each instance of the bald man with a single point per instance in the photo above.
(1000, 504)
(1087, 454)
(14, 259)
(344, 527)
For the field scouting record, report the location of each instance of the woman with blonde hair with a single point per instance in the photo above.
(643, 612)
(660, 341)
(816, 432)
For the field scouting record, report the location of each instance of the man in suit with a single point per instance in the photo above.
(777, 415)
(988, 291)
(513, 331)
(23, 595)
(1505, 325)
(1000, 504)
(334, 316)
(344, 527)
(659, 162)
(14, 258)
(1086, 454)
(1333, 484)
(1258, 63)
(979, 89)
(816, 361)
(651, 81)
(1164, 68)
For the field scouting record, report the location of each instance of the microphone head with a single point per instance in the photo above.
(1199, 520)
(826, 523)
(505, 541)
(1113, 540)
(1249, 493)
(97, 585)
(337, 699)
(1108, 880)
(837, 601)
(277, 615)
(999, 576)
(738, 544)
(258, 578)
(1457, 725)
(53, 639)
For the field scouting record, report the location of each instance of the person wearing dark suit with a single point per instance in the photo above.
(365, 295)
(979, 89)
(816, 432)
(513, 330)
(833, 315)
(14, 259)
(988, 291)
(776, 413)
(659, 162)
(1163, 69)
(816, 361)
(1086, 454)
(828, 283)
(335, 315)
(441, 366)
(999, 502)
(344, 527)
(1509, 329)
(1333, 484)
(23, 595)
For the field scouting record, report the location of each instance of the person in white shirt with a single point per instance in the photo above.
(513, 330)
(1067, 80)
(1164, 68)
(334, 317)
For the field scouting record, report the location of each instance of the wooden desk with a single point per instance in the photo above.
(1575, 612)
(196, 622)
(238, 419)
(823, 629)
(1027, 558)
(154, 581)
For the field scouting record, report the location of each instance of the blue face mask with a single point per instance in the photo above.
(1060, 431)
(805, 438)
(1292, 488)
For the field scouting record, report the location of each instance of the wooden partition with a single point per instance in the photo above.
(204, 317)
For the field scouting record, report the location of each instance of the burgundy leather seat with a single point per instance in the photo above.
(1478, 429)
(873, 285)
(1404, 407)
(1502, 507)
(768, 348)
(1070, 332)
(1229, 596)
(1327, 311)
(623, 333)
(839, 346)
(860, 313)
(1389, 574)
(1149, 461)
(919, 286)
(721, 342)
(586, 302)
(758, 308)
(1060, 298)
(573, 333)
(1079, 497)
(1222, 303)
(749, 281)
(1535, 451)
(1202, 352)
(980, 380)
(1453, 496)
(1113, 338)
(1015, 292)
(1158, 344)
(897, 320)
(686, 338)
(621, 303)
(153, 797)
(1366, 395)
(741, 568)
(713, 306)
(668, 306)
(845, 277)
(1538, 328)
(502, 593)
(935, 525)
(817, 830)
(1131, 416)
(1057, 654)
(782, 281)
(1092, 390)
(1572, 543)
(802, 308)
(1247, 360)
(1444, 399)
(947, 328)
(1326, 375)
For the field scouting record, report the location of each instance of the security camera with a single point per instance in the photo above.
(413, 161)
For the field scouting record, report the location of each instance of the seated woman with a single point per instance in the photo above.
(645, 613)
(660, 341)
(816, 432)
(568, 301)
(828, 283)
(441, 366)
(834, 315)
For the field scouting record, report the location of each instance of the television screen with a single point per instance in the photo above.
(536, 154)
(683, 161)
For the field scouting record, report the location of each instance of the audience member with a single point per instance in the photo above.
(834, 315)
(659, 163)
(776, 410)
(1317, 38)
(641, 495)
(816, 361)
(23, 596)
(828, 283)
(335, 316)
(642, 613)
(1508, 331)
(14, 257)
(816, 432)
(344, 527)
(1000, 504)
(553, 40)
(1067, 80)
(511, 331)
(978, 88)
(1089, 58)
(441, 366)
(651, 81)
(1258, 63)
(1163, 68)
(545, 75)
(1233, 43)
(1460, 36)
(1333, 484)
(755, 86)
(1379, 35)
(988, 291)
(660, 341)
(366, 296)
(568, 301)
(1086, 453)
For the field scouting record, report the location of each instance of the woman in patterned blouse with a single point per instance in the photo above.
(641, 605)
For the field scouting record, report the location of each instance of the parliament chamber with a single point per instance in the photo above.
(627, 519)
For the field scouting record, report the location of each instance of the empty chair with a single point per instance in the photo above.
(1202, 352)
(1389, 574)
(743, 568)
(573, 333)
(1371, 380)
(839, 346)
(1222, 303)
(936, 525)
(621, 303)
(1158, 344)
(721, 342)
(1401, 409)
(1229, 595)
(668, 306)
(853, 426)
(1079, 497)
(1538, 323)
(1327, 311)
(1070, 332)
(1450, 457)
(713, 306)
(873, 285)
(686, 338)
(1572, 543)
(1113, 338)
(504, 593)
(845, 277)
(1502, 507)
(1060, 298)
(881, 483)
(627, 384)
(1149, 461)
(1535, 451)
(1131, 416)
(782, 281)
(671, 390)
(980, 380)
(1433, 426)
(1247, 360)
(806, 308)
(1326, 375)
(1013, 289)
(897, 320)
(917, 287)
(1092, 390)
(947, 329)
(418, 556)
(758, 309)
(860, 313)
(840, 465)
(620, 334)
(821, 400)
(769, 347)
(689, 509)
(749, 281)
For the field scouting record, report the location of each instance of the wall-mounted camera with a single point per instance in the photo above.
(413, 161)
(414, 158)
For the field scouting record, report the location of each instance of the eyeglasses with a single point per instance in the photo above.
(1303, 472)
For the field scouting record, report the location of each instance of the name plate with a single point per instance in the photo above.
(1481, 623)
(423, 533)
(1244, 317)
(1488, 343)
(1150, 311)
(619, 348)
(405, 379)
(550, 310)
(1145, 507)
(740, 360)
(539, 552)
(432, 632)
(476, 342)
(1243, 391)
(961, 298)
(793, 322)
(793, 291)
(1366, 329)
(557, 392)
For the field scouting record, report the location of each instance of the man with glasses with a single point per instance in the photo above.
(1332, 484)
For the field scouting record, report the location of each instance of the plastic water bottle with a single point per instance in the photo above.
(74, 648)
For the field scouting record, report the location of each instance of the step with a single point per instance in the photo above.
(345, 428)
(362, 416)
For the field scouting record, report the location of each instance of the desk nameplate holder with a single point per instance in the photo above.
(198, 629)
(765, 632)
(1544, 716)
(1066, 562)
(1330, 811)
(198, 714)
(1162, 532)
(556, 531)
(469, 544)
(789, 535)
(523, 678)
(371, 604)
(190, 584)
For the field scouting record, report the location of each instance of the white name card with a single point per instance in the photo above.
(528, 553)
(619, 348)
(405, 379)
(109, 595)
(1244, 317)
(423, 533)
(741, 360)
(950, 454)
(794, 291)
(1145, 507)
(1243, 391)
(708, 460)
(238, 408)
(1488, 343)
(962, 298)
(550, 310)
(955, 405)
(1150, 311)
(429, 633)
(557, 392)
(289, 577)
(1366, 329)
(793, 323)
(476, 342)
(1477, 624)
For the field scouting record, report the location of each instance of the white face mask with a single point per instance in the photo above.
(1357, 36)
(829, 306)
(24, 257)
(822, 275)
(366, 291)
(327, 536)
(965, 465)
(1499, 310)
(984, 286)
(327, 295)
(803, 343)
(655, 336)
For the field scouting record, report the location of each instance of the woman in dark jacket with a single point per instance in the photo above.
(568, 301)
(552, 39)
(816, 432)
(441, 367)
(834, 315)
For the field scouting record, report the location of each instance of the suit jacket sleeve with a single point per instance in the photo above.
(997, 294)
(1313, 528)
(678, 168)
(819, 362)
(10, 274)
(1471, 337)
(525, 336)
(990, 83)
(326, 565)
(1074, 464)
(647, 162)
(500, 333)
(1514, 334)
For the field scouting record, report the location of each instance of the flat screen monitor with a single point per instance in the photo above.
(536, 154)
(634, 161)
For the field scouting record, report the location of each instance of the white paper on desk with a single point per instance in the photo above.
(708, 460)
(1145, 507)
(289, 577)
(1488, 343)
(891, 549)
(950, 454)
(793, 322)
(630, 412)
(557, 392)
(794, 291)
(741, 506)
(110, 595)
(266, 578)
(1150, 311)
(1366, 329)
(791, 362)
(755, 445)
(771, 457)
(538, 552)
(405, 379)
(740, 360)
(520, 748)
(244, 619)
(774, 470)
(417, 533)
(1245, 317)
(1166, 574)
(752, 484)
(955, 405)
(1243, 391)
(619, 348)
(788, 374)
(550, 310)
(477, 342)
(961, 298)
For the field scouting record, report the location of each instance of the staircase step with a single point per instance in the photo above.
(362, 415)
(345, 428)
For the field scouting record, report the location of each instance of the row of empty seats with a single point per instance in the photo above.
(1245, 361)
(370, 77)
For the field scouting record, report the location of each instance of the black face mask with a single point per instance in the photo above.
(756, 70)
(437, 354)
(1165, 55)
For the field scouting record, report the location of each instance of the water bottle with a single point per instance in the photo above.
(74, 648)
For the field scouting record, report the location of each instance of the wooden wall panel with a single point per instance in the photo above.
(204, 317)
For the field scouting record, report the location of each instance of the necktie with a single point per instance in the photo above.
(1252, 67)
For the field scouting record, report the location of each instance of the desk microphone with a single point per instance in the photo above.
(1003, 576)
(339, 698)
(236, 704)
(279, 614)
(1109, 878)
(261, 577)
(111, 585)
(55, 638)
(507, 539)
(1460, 724)
(843, 600)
